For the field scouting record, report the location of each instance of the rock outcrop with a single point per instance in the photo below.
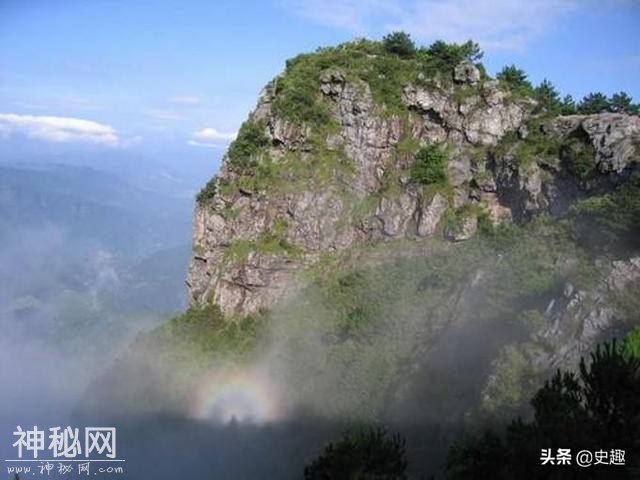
(577, 320)
(549, 183)
(250, 241)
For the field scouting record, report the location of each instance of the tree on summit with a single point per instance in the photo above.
(448, 55)
(621, 102)
(594, 103)
(547, 96)
(399, 43)
(516, 79)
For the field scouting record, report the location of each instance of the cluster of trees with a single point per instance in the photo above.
(365, 454)
(442, 56)
(597, 409)
(445, 55)
(549, 97)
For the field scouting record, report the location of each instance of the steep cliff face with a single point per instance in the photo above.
(292, 190)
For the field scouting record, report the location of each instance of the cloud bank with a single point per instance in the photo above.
(58, 129)
(208, 134)
(211, 138)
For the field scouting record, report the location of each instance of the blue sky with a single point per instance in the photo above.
(153, 76)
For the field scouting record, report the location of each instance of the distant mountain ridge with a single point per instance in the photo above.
(91, 205)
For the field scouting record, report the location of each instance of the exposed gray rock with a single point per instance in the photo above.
(332, 82)
(477, 122)
(430, 215)
(466, 72)
(459, 171)
(611, 134)
(324, 215)
(395, 214)
(460, 197)
(253, 286)
(529, 187)
(464, 230)
(623, 273)
(578, 320)
(287, 133)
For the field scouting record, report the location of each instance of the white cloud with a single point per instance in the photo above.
(207, 134)
(211, 138)
(188, 100)
(59, 129)
(495, 24)
(195, 143)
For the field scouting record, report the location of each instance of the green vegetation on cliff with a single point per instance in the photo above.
(367, 453)
(610, 220)
(372, 327)
(201, 333)
(359, 321)
(209, 191)
(596, 410)
(250, 141)
(384, 66)
(430, 165)
(271, 241)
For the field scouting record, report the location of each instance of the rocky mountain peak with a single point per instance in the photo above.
(352, 145)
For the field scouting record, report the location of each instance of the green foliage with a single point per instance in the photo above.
(621, 102)
(568, 106)
(407, 146)
(272, 241)
(385, 66)
(298, 98)
(364, 455)
(250, 141)
(292, 172)
(599, 409)
(512, 374)
(209, 191)
(530, 253)
(594, 103)
(531, 267)
(612, 218)
(399, 43)
(598, 102)
(548, 97)
(516, 80)
(579, 155)
(445, 56)
(631, 346)
(537, 146)
(475, 458)
(371, 317)
(430, 165)
(203, 331)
